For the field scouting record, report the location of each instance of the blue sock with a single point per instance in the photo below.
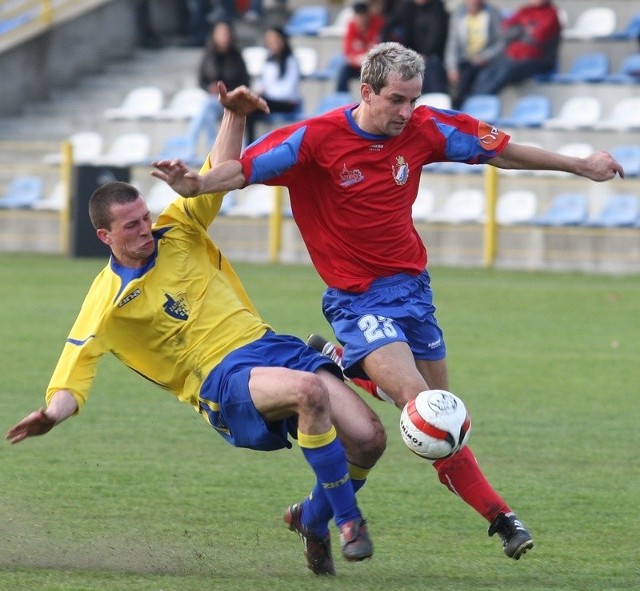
(317, 510)
(326, 456)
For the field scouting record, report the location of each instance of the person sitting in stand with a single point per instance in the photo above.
(279, 83)
(532, 36)
(363, 32)
(474, 39)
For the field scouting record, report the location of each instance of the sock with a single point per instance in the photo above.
(326, 457)
(461, 474)
(316, 509)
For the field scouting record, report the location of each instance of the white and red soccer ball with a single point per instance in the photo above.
(435, 424)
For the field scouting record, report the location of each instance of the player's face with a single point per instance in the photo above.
(389, 111)
(130, 237)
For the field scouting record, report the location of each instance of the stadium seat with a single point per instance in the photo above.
(628, 155)
(566, 209)
(461, 206)
(578, 112)
(437, 100)
(255, 57)
(330, 71)
(307, 20)
(179, 146)
(619, 211)
(592, 23)
(516, 207)
(624, 116)
(424, 204)
(23, 191)
(254, 201)
(159, 195)
(55, 200)
(332, 101)
(587, 67)
(628, 72)
(631, 31)
(307, 58)
(485, 107)
(338, 27)
(139, 103)
(185, 104)
(85, 145)
(528, 111)
(126, 150)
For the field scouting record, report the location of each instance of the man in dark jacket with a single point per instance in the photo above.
(422, 25)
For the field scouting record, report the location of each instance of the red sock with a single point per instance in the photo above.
(461, 474)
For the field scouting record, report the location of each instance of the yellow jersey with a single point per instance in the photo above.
(172, 321)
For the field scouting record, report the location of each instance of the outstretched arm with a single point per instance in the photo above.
(228, 175)
(599, 166)
(41, 421)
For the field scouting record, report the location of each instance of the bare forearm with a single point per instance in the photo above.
(599, 166)
(223, 177)
(61, 406)
(229, 140)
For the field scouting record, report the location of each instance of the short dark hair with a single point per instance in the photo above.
(360, 7)
(104, 197)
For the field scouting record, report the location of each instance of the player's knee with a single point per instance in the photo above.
(312, 395)
(375, 444)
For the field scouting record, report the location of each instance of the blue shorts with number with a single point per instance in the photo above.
(396, 308)
(226, 402)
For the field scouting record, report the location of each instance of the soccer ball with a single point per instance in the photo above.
(435, 424)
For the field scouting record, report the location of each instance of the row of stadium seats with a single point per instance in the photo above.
(461, 206)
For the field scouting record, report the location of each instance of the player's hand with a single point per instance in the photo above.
(178, 176)
(241, 100)
(601, 166)
(37, 423)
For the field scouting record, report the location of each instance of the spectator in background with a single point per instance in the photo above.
(198, 27)
(279, 83)
(363, 32)
(474, 39)
(422, 25)
(221, 62)
(532, 36)
(147, 36)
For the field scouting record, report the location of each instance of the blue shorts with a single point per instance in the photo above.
(226, 402)
(396, 308)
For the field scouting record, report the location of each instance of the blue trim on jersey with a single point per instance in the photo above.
(127, 274)
(461, 146)
(278, 159)
(81, 342)
(355, 127)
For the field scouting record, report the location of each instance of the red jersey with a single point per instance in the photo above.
(541, 27)
(352, 192)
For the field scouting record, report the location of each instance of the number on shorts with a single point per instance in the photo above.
(374, 328)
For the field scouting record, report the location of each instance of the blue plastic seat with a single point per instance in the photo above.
(330, 71)
(486, 107)
(528, 111)
(618, 212)
(22, 192)
(628, 72)
(307, 20)
(334, 100)
(567, 209)
(588, 67)
(631, 31)
(628, 155)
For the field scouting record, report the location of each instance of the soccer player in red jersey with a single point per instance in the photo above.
(353, 175)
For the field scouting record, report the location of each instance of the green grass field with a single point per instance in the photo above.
(137, 493)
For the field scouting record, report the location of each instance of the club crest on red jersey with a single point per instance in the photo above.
(350, 177)
(400, 171)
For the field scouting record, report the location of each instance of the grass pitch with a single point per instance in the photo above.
(137, 493)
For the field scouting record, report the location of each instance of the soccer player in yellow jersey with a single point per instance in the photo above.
(169, 306)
